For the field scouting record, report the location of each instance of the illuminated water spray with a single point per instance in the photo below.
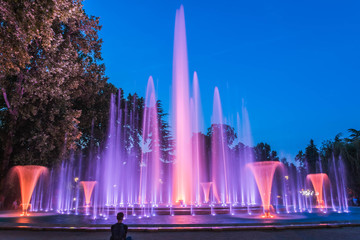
(264, 174)
(318, 180)
(206, 189)
(28, 177)
(219, 159)
(150, 156)
(199, 164)
(88, 187)
(182, 178)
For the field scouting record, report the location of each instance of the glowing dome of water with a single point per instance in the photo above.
(28, 177)
(318, 180)
(88, 189)
(264, 174)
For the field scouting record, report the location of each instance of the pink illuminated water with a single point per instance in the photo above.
(318, 180)
(198, 146)
(182, 178)
(88, 189)
(150, 157)
(28, 177)
(248, 185)
(206, 189)
(264, 174)
(219, 155)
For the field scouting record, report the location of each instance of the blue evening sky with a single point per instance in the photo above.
(295, 63)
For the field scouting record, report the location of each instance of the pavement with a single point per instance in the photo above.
(342, 233)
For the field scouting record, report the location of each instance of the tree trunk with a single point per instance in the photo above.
(8, 149)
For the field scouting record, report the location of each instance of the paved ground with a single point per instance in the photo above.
(321, 234)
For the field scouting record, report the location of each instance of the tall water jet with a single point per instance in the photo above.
(88, 187)
(247, 156)
(318, 180)
(110, 162)
(150, 156)
(337, 171)
(199, 165)
(264, 174)
(218, 152)
(182, 178)
(28, 177)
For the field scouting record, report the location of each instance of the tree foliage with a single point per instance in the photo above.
(263, 152)
(53, 76)
(167, 144)
(23, 22)
(226, 131)
(312, 157)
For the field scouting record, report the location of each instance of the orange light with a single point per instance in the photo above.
(317, 181)
(264, 174)
(28, 177)
(88, 189)
(267, 215)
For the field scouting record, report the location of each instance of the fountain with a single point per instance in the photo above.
(182, 180)
(198, 142)
(220, 177)
(88, 189)
(150, 157)
(206, 189)
(28, 177)
(317, 180)
(264, 174)
(247, 183)
(143, 171)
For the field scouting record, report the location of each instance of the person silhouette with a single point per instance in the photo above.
(119, 230)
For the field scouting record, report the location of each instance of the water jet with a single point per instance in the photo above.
(317, 180)
(28, 176)
(88, 189)
(264, 174)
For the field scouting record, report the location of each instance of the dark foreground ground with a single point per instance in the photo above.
(321, 234)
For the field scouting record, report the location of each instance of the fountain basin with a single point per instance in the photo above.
(238, 221)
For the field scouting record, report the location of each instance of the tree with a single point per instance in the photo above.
(350, 152)
(23, 22)
(263, 152)
(354, 135)
(228, 133)
(167, 143)
(133, 109)
(312, 157)
(44, 88)
(93, 122)
(301, 159)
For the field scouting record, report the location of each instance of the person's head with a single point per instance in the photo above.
(120, 216)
